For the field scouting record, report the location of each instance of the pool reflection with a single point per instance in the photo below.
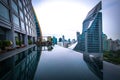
(95, 65)
(21, 66)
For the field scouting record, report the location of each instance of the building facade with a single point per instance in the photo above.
(38, 28)
(105, 42)
(113, 45)
(17, 21)
(92, 31)
(78, 36)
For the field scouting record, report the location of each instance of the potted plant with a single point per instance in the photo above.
(8, 44)
(17, 43)
(22, 44)
(29, 42)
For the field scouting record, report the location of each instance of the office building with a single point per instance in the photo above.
(92, 30)
(17, 21)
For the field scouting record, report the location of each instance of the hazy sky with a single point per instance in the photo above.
(65, 17)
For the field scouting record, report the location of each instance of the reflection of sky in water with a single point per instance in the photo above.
(63, 64)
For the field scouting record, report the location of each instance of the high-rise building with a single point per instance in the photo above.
(105, 42)
(92, 30)
(110, 43)
(17, 21)
(78, 36)
(116, 45)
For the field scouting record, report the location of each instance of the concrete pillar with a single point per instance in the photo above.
(10, 34)
(26, 39)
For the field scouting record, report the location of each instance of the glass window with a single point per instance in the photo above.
(20, 4)
(14, 6)
(2, 34)
(29, 23)
(6, 1)
(26, 1)
(26, 19)
(27, 28)
(25, 11)
(22, 25)
(23, 2)
(28, 16)
(15, 19)
(21, 14)
(4, 12)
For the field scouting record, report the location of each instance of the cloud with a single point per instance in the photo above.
(61, 18)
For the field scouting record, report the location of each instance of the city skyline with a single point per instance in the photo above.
(35, 45)
(58, 17)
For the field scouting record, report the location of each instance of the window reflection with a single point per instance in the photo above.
(4, 12)
(14, 6)
(20, 4)
(15, 19)
(22, 25)
(21, 14)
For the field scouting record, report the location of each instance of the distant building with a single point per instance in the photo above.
(63, 40)
(82, 42)
(54, 40)
(110, 44)
(105, 42)
(78, 36)
(116, 45)
(17, 21)
(113, 45)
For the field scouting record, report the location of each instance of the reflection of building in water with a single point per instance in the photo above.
(21, 66)
(95, 65)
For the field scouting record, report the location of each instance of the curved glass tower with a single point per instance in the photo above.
(92, 30)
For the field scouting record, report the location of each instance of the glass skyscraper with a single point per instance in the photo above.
(92, 31)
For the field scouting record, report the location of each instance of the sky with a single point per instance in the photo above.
(65, 17)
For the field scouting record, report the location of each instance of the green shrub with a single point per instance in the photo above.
(112, 56)
(6, 43)
(29, 42)
(18, 42)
